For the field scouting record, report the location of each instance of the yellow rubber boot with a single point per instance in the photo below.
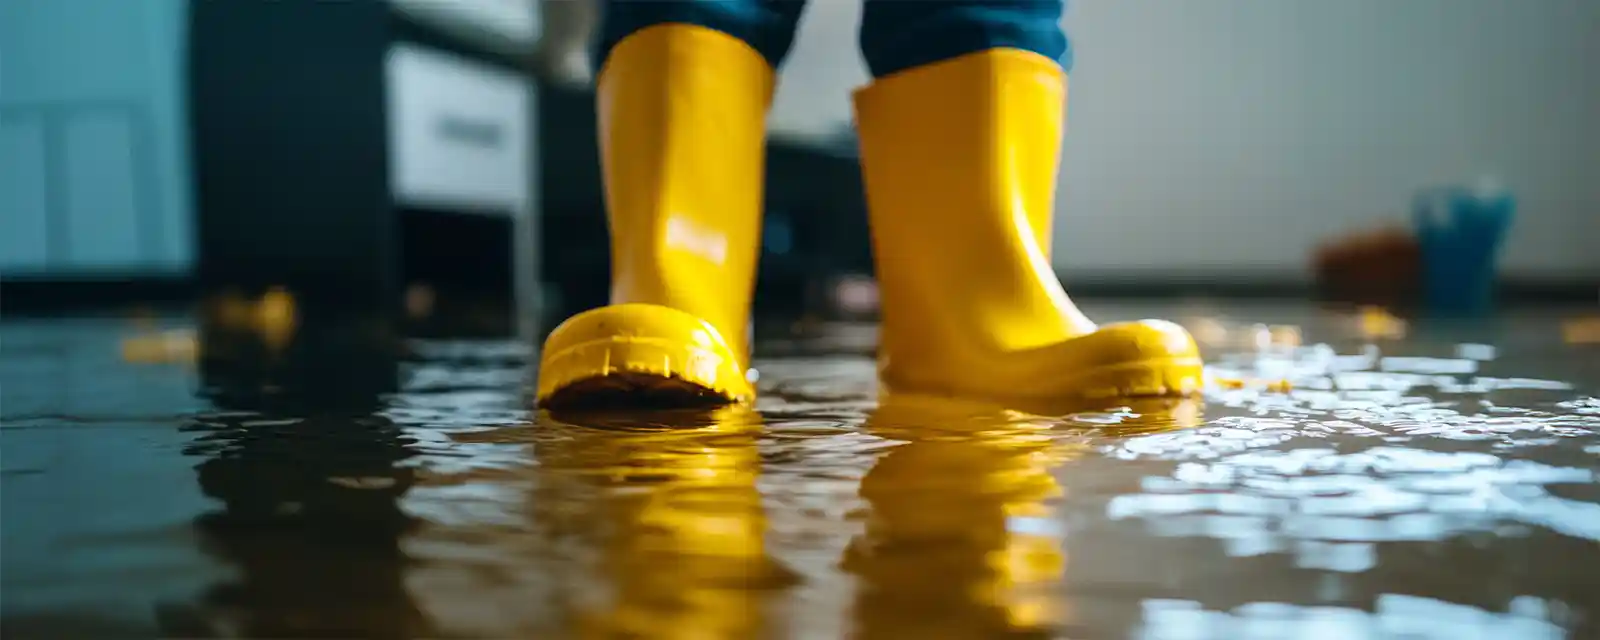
(682, 116)
(960, 162)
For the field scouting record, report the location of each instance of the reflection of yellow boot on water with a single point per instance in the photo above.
(673, 518)
(962, 540)
(682, 116)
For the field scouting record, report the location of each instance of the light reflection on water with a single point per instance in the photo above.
(1404, 489)
(1342, 507)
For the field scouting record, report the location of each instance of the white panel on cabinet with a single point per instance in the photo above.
(459, 132)
(24, 196)
(100, 202)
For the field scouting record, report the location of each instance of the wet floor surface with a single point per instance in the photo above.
(1344, 476)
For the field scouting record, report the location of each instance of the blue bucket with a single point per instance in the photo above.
(1461, 231)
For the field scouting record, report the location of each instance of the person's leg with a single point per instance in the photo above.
(681, 102)
(897, 35)
(960, 148)
(768, 26)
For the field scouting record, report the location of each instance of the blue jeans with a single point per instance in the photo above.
(895, 34)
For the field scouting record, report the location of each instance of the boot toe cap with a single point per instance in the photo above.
(639, 354)
(1147, 357)
(1146, 339)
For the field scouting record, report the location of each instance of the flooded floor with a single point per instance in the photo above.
(1344, 476)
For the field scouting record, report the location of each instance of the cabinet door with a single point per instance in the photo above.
(24, 228)
(100, 207)
(93, 161)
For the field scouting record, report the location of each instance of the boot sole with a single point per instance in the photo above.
(636, 372)
(1162, 377)
(1142, 378)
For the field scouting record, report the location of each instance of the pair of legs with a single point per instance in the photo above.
(895, 34)
(960, 141)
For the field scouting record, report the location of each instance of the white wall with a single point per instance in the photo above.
(1231, 136)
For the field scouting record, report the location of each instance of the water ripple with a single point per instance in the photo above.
(1350, 488)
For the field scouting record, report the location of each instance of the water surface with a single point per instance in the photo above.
(1343, 476)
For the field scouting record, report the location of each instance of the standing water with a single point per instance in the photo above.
(1343, 476)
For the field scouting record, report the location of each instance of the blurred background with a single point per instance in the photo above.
(375, 152)
(1298, 182)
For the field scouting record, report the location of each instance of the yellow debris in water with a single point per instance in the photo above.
(276, 306)
(273, 317)
(276, 317)
(1270, 386)
(1377, 322)
(1285, 335)
(1581, 331)
(175, 346)
(1230, 383)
